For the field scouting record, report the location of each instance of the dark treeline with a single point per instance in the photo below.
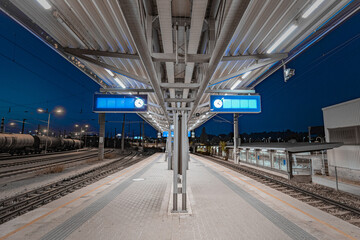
(273, 136)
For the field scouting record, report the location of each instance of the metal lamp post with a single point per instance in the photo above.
(40, 110)
(82, 130)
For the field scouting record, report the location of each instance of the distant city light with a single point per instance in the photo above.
(44, 4)
(12, 124)
(40, 110)
(282, 38)
(315, 5)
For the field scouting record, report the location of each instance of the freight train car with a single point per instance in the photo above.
(28, 144)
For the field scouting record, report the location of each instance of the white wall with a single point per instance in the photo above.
(345, 114)
(347, 157)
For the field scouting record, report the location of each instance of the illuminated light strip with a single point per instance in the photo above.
(119, 82)
(245, 75)
(282, 38)
(235, 84)
(75, 199)
(315, 5)
(289, 204)
(44, 4)
(109, 72)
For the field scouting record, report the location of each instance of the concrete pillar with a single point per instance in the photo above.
(236, 136)
(101, 135)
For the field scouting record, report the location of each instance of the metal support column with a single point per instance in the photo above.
(236, 136)
(169, 150)
(101, 135)
(289, 166)
(185, 153)
(175, 161)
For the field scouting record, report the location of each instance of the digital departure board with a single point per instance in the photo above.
(235, 104)
(105, 103)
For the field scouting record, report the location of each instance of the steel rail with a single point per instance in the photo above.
(12, 172)
(35, 160)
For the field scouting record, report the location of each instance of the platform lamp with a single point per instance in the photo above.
(57, 110)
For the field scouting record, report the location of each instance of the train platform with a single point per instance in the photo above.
(135, 203)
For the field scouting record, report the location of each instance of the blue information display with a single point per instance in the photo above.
(166, 134)
(104, 103)
(235, 104)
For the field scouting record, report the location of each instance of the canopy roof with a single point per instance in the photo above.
(180, 51)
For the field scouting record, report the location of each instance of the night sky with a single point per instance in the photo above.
(33, 75)
(327, 73)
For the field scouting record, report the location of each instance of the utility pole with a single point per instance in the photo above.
(143, 133)
(115, 139)
(2, 125)
(123, 135)
(140, 135)
(236, 136)
(23, 126)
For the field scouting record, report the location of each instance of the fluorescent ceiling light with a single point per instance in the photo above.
(245, 75)
(282, 38)
(314, 6)
(44, 4)
(110, 72)
(119, 82)
(235, 85)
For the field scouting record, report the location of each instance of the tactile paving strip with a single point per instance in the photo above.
(289, 228)
(69, 226)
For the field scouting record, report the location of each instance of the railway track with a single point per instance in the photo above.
(44, 164)
(7, 157)
(41, 158)
(22, 203)
(339, 209)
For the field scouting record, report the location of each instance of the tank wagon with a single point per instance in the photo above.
(28, 144)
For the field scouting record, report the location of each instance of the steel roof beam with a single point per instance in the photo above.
(244, 70)
(231, 22)
(238, 91)
(126, 90)
(130, 11)
(112, 68)
(179, 109)
(78, 51)
(171, 57)
(254, 56)
(204, 58)
(180, 85)
(179, 99)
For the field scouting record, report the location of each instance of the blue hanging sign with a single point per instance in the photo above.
(105, 103)
(166, 134)
(235, 104)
